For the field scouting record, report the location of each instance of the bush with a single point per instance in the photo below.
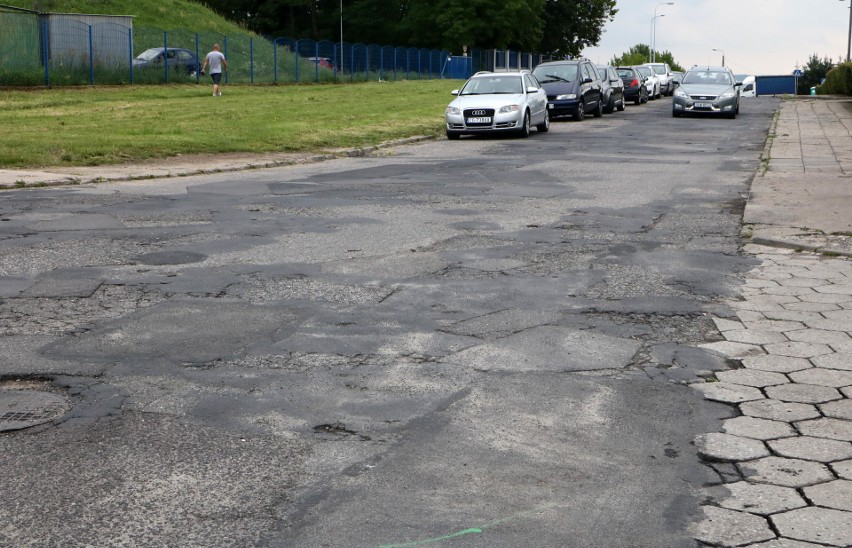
(838, 81)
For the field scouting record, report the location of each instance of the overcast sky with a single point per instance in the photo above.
(757, 36)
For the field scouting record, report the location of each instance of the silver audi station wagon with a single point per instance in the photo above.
(492, 102)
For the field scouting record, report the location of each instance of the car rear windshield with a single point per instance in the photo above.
(150, 54)
(556, 73)
(493, 84)
(644, 71)
(626, 73)
(710, 77)
(659, 69)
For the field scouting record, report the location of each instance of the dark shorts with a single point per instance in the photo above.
(217, 77)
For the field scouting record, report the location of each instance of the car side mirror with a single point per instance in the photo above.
(454, 92)
(738, 84)
(532, 89)
(588, 81)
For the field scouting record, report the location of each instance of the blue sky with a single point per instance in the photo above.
(757, 36)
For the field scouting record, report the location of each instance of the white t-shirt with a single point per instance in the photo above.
(214, 59)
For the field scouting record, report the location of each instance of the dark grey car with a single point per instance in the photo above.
(708, 90)
(613, 89)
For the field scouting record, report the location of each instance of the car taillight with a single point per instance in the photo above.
(633, 82)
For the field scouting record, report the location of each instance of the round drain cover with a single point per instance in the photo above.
(25, 408)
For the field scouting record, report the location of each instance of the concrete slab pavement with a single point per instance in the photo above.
(785, 463)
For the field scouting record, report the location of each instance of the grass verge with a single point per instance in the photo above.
(108, 125)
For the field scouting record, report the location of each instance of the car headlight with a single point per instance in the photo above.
(567, 97)
(510, 108)
(680, 93)
(727, 95)
(455, 111)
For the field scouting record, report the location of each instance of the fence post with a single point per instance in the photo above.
(296, 56)
(251, 58)
(197, 61)
(225, 41)
(166, 54)
(382, 64)
(316, 62)
(130, 50)
(275, 61)
(366, 63)
(45, 52)
(91, 59)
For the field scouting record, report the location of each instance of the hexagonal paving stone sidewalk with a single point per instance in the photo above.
(792, 443)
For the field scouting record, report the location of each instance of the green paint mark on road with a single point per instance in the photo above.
(468, 531)
(471, 531)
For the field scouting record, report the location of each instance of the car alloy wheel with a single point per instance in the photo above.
(525, 128)
(544, 127)
(580, 113)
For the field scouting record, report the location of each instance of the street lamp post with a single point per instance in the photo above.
(652, 55)
(723, 55)
(849, 41)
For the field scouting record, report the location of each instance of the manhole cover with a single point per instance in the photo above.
(25, 408)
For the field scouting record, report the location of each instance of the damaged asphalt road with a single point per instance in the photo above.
(477, 343)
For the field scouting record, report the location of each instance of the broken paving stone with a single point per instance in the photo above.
(835, 429)
(726, 447)
(840, 409)
(757, 498)
(810, 448)
(785, 472)
(776, 364)
(821, 525)
(728, 393)
(838, 360)
(752, 377)
(823, 377)
(803, 393)
(834, 494)
(779, 411)
(759, 429)
(723, 527)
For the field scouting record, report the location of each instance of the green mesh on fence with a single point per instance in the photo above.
(81, 54)
(20, 49)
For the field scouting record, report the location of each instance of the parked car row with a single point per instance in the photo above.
(514, 101)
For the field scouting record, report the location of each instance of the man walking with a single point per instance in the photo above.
(217, 63)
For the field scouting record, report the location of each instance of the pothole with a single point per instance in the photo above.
(164, 258)
(24, 404)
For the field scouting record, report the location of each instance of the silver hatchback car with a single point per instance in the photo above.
(493, 102)
(708, 90)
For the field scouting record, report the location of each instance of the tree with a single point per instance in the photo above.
(813, 73)
(572, 25)
(640, 53)
(451, 24)
(636, 55)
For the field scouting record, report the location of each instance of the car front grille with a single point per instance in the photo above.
(703, 97)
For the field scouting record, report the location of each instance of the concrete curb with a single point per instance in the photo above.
(14, 179)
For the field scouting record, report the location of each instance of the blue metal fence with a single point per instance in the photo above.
(61, 49)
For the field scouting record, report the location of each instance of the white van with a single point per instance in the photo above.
(749, 87)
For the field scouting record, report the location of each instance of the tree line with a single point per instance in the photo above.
(560, 27)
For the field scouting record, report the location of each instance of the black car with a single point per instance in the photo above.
(178, 58)
(573, 88)
(613, 89)
(634, 85)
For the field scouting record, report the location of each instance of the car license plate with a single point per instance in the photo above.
(703, 105)
(485, 120)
